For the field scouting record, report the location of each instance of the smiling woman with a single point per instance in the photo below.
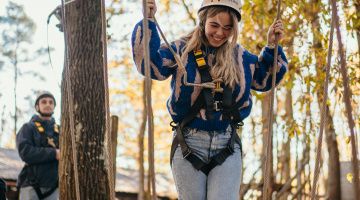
(206, 151)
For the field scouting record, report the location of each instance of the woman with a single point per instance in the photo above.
(206, 151)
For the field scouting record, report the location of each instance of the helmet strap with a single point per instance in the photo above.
(43, 114)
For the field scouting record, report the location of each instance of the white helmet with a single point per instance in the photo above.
(234, 4)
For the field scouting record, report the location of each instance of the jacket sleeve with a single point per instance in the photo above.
(262, 79)
(28, 151)
(162, 62)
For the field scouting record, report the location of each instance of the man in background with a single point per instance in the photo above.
(38, 146)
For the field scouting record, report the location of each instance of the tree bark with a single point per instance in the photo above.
(114, 134)
(141, 148)
(357, 28)
(265, 132)
(285, 158)
(85, 120)
(333, 184)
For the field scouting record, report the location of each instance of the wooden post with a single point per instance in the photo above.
(114, 131)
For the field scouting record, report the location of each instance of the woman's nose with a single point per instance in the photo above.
(219, 32)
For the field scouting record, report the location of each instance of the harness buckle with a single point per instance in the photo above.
(173, 125)
(218, 105)
(218, 87)
(187, 153)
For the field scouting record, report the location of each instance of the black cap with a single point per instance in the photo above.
(43, 95)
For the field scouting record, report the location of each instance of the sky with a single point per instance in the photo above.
(38, 11)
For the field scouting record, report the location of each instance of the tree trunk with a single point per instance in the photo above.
(265, 132)
(347, 101)
(15, 98)
(285, 161)
(141, 148)
(114, 134)
(16, 73)
(85, 165)
(333, 184)
(357, 28)
(285, 158)
(306, 142)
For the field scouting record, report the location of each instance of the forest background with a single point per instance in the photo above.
(25, 69)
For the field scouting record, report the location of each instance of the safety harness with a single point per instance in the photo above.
(206, 100)
(46, 141)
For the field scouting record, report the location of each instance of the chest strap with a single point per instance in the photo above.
(203, 68)
(50, 141)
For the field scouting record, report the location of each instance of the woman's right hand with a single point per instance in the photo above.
(151, 9)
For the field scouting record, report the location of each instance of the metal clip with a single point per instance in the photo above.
(218, 87)
(187, 153)
(217, 105)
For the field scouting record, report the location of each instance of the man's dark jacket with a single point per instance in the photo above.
(41, 166)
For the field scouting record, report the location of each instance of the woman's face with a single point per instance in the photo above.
(218, 29)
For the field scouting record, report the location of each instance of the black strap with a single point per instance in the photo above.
(35, 183)
(196, 162)
(227, 103)
(45, 194)
(207, 93)
(205, 75)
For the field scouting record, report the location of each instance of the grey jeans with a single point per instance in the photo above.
(28, 193)
(223, 181)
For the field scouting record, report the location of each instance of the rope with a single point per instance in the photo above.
(69, 98)
(323, 110)
(268, 167)
(58, 8)
(149, 112)
(347, 102)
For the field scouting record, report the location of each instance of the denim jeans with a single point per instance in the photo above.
(223, 181)
(28, 193)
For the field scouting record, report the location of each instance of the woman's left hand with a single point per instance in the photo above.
(276, 28)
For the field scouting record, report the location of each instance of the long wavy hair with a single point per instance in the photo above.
(225, 66)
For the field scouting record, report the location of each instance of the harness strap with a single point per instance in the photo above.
(196, 162)
(45, 194)
(230, 112)
(227, 104)
(205, 77)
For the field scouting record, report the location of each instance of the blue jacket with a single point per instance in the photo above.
(41, 166)
(255, 74)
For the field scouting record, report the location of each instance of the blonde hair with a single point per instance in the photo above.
(225, 66)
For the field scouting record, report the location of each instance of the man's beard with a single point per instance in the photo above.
(45, 114)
